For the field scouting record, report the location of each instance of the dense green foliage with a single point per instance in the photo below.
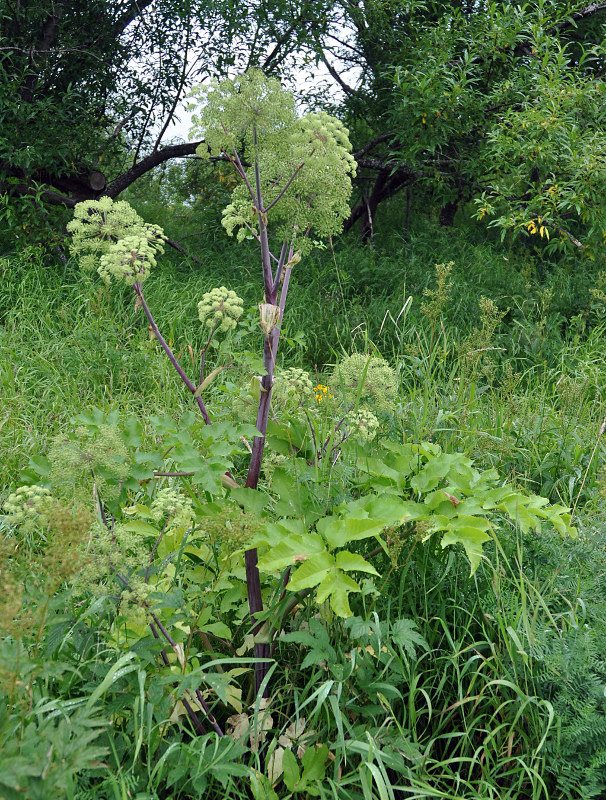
(494, 104)
(518, 642)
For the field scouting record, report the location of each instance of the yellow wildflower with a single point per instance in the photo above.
(322, 392)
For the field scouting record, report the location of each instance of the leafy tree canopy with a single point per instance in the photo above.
(490, 102)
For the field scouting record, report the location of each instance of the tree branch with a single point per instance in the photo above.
(333, 72)
(384, 137)
(179, 90)
(181, 249)
(588, 11)
(149, 162)
(134, 11)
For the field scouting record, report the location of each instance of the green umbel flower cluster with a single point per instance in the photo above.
(292, 384)
(308, 159)
(368, 377)
(130, 259)
(170, 504)
(26, 504)
(111, 237)
(362, 425)
(236, 111)
(220, 307)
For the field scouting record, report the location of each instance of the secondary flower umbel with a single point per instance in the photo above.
(220, 307)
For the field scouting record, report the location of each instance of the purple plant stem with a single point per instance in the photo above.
(242, 172)
(109, 527)
(253, 579)
(199, 695)
(157, 625)
(169, 353)
(153, 551)
(270, 295)
(280, 267)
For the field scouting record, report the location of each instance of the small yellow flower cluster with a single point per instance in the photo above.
(321, 393)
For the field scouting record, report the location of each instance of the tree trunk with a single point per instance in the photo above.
(447, 214)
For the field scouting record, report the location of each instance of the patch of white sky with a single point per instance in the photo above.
(305, 83)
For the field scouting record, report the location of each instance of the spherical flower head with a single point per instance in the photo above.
(25, 506)
(129, 260)
(292, 384)
(368, 380)
(99, 224)
(362, 425)
(220, 308)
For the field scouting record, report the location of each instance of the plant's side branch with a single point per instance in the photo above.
(263, 237)
(173, 474)
(285, 189)
(280, 267)
(195, 720)
(153, 552)
(158, 624)
(289, 606)
(170, 354)
(109, 527)
(242, 173)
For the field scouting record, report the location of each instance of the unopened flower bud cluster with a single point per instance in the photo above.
(130, 259)
(171, 503)
(26, 502)
(220, 307)
(362, 425)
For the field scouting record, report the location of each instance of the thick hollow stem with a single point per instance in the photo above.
(253, 579)
(255, 605)
(263, 237)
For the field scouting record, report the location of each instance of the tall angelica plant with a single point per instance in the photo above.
(294, 181)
